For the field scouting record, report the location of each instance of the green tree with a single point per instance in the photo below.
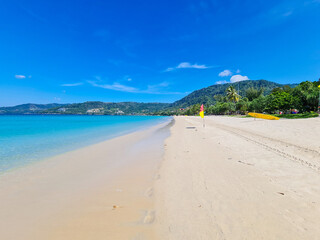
(242, 105)
(193, 110)
(258, 104)
(276, 90)
(279, 100)
(307, 96)
(220, 98)
(221, 108)
(287, 89)
(232, 94)
(253, 93)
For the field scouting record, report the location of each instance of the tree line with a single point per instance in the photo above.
(302, 98)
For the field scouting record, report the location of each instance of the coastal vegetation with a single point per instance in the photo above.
(298, 115)
(281, 101)
(212, 94)
(220, 99)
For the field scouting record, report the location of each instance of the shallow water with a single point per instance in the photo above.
(25, 139)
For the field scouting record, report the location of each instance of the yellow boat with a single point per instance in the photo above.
(263, 116)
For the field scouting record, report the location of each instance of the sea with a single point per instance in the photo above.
(25, 139)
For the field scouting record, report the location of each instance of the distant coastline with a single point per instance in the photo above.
(202, 96)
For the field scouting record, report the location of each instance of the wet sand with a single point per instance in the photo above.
(103, 191)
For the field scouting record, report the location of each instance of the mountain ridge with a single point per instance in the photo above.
(203, 96)
(28, 108)
(206, 95)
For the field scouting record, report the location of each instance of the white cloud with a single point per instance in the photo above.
(151, 89)
(238, 78)
(238, 71)
(221, 82)
(115, 86)
(71, 84)
(187, 65)
(20, 76)
(225, 73)
(156, 88)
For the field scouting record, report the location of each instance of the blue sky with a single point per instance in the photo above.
(151, 51)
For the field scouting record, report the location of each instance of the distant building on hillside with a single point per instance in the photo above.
(119, 112)
(94, 110)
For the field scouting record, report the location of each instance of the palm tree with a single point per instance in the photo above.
(232, 94)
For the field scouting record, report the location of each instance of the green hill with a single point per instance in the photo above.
(102, 108)
(28, 108)
(206, 95)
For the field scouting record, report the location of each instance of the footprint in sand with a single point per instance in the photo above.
(149, 192)
(149, 217)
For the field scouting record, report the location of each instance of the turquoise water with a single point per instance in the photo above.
(25, 139)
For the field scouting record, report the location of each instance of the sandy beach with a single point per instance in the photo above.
(240, 178)
(103, 191)
(235, 178)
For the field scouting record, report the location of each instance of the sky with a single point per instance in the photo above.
(151, 51)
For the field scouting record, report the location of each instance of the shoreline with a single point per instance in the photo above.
(100, 191)
(80, 145)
